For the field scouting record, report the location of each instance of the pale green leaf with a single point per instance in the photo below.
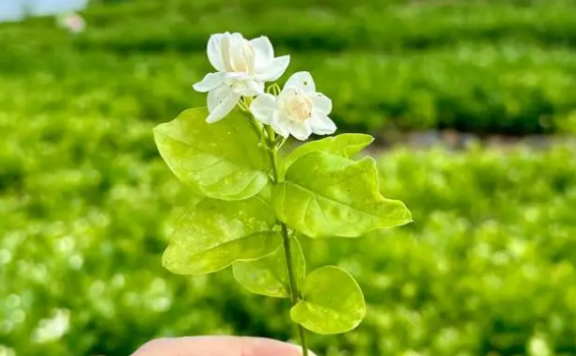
(269, 275)
(325, 195)
(345, 145)
(215, 234)
(332, 302)
(222, 160)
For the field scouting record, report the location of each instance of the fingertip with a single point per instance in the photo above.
(219, 345)
(255, 346)
(252, 346)
(298, 349)
(153, 347)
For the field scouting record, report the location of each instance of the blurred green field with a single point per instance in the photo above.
(480, 66)
(487, 267)
(86, 204)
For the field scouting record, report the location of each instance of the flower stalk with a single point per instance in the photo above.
(294, 294)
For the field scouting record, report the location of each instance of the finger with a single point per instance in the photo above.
(218, 346)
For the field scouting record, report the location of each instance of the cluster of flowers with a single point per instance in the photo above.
(243, 66)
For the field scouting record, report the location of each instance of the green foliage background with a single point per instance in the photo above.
(86, 203)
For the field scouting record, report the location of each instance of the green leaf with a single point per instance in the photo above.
(332, 302)
(325, 195)
(269, 275)
(215, 234)
(266, 194)
(345, 145)
(222, 160)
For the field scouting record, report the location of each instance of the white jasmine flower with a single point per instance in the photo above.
(243, 67)
(72, 22)
(298, 111)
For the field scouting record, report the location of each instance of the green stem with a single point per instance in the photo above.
(294, 294)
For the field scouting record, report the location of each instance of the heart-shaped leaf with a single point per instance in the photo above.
(345, 145)
(215, 234)
(222, 160)
(332, 302)
(269, 275)
(325, 195)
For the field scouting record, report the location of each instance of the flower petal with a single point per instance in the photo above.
(321, 124)
(225, 45)
(210, 81)
(321, 103)
(286, 95)
(300, 130)
(237, 57)
(263, 108)
(274, 69)
(253, 88)
(264, 52)
(226, 102)
(280, 124)
(216, 95)
(302, 81)
(214, 49)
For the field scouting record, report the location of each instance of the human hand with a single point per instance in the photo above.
(218, 346)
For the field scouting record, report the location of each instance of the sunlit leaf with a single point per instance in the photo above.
(345, 145)
(326, 195)
(332, 302)
(222, 160)
(215, 234)
(269, 275)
